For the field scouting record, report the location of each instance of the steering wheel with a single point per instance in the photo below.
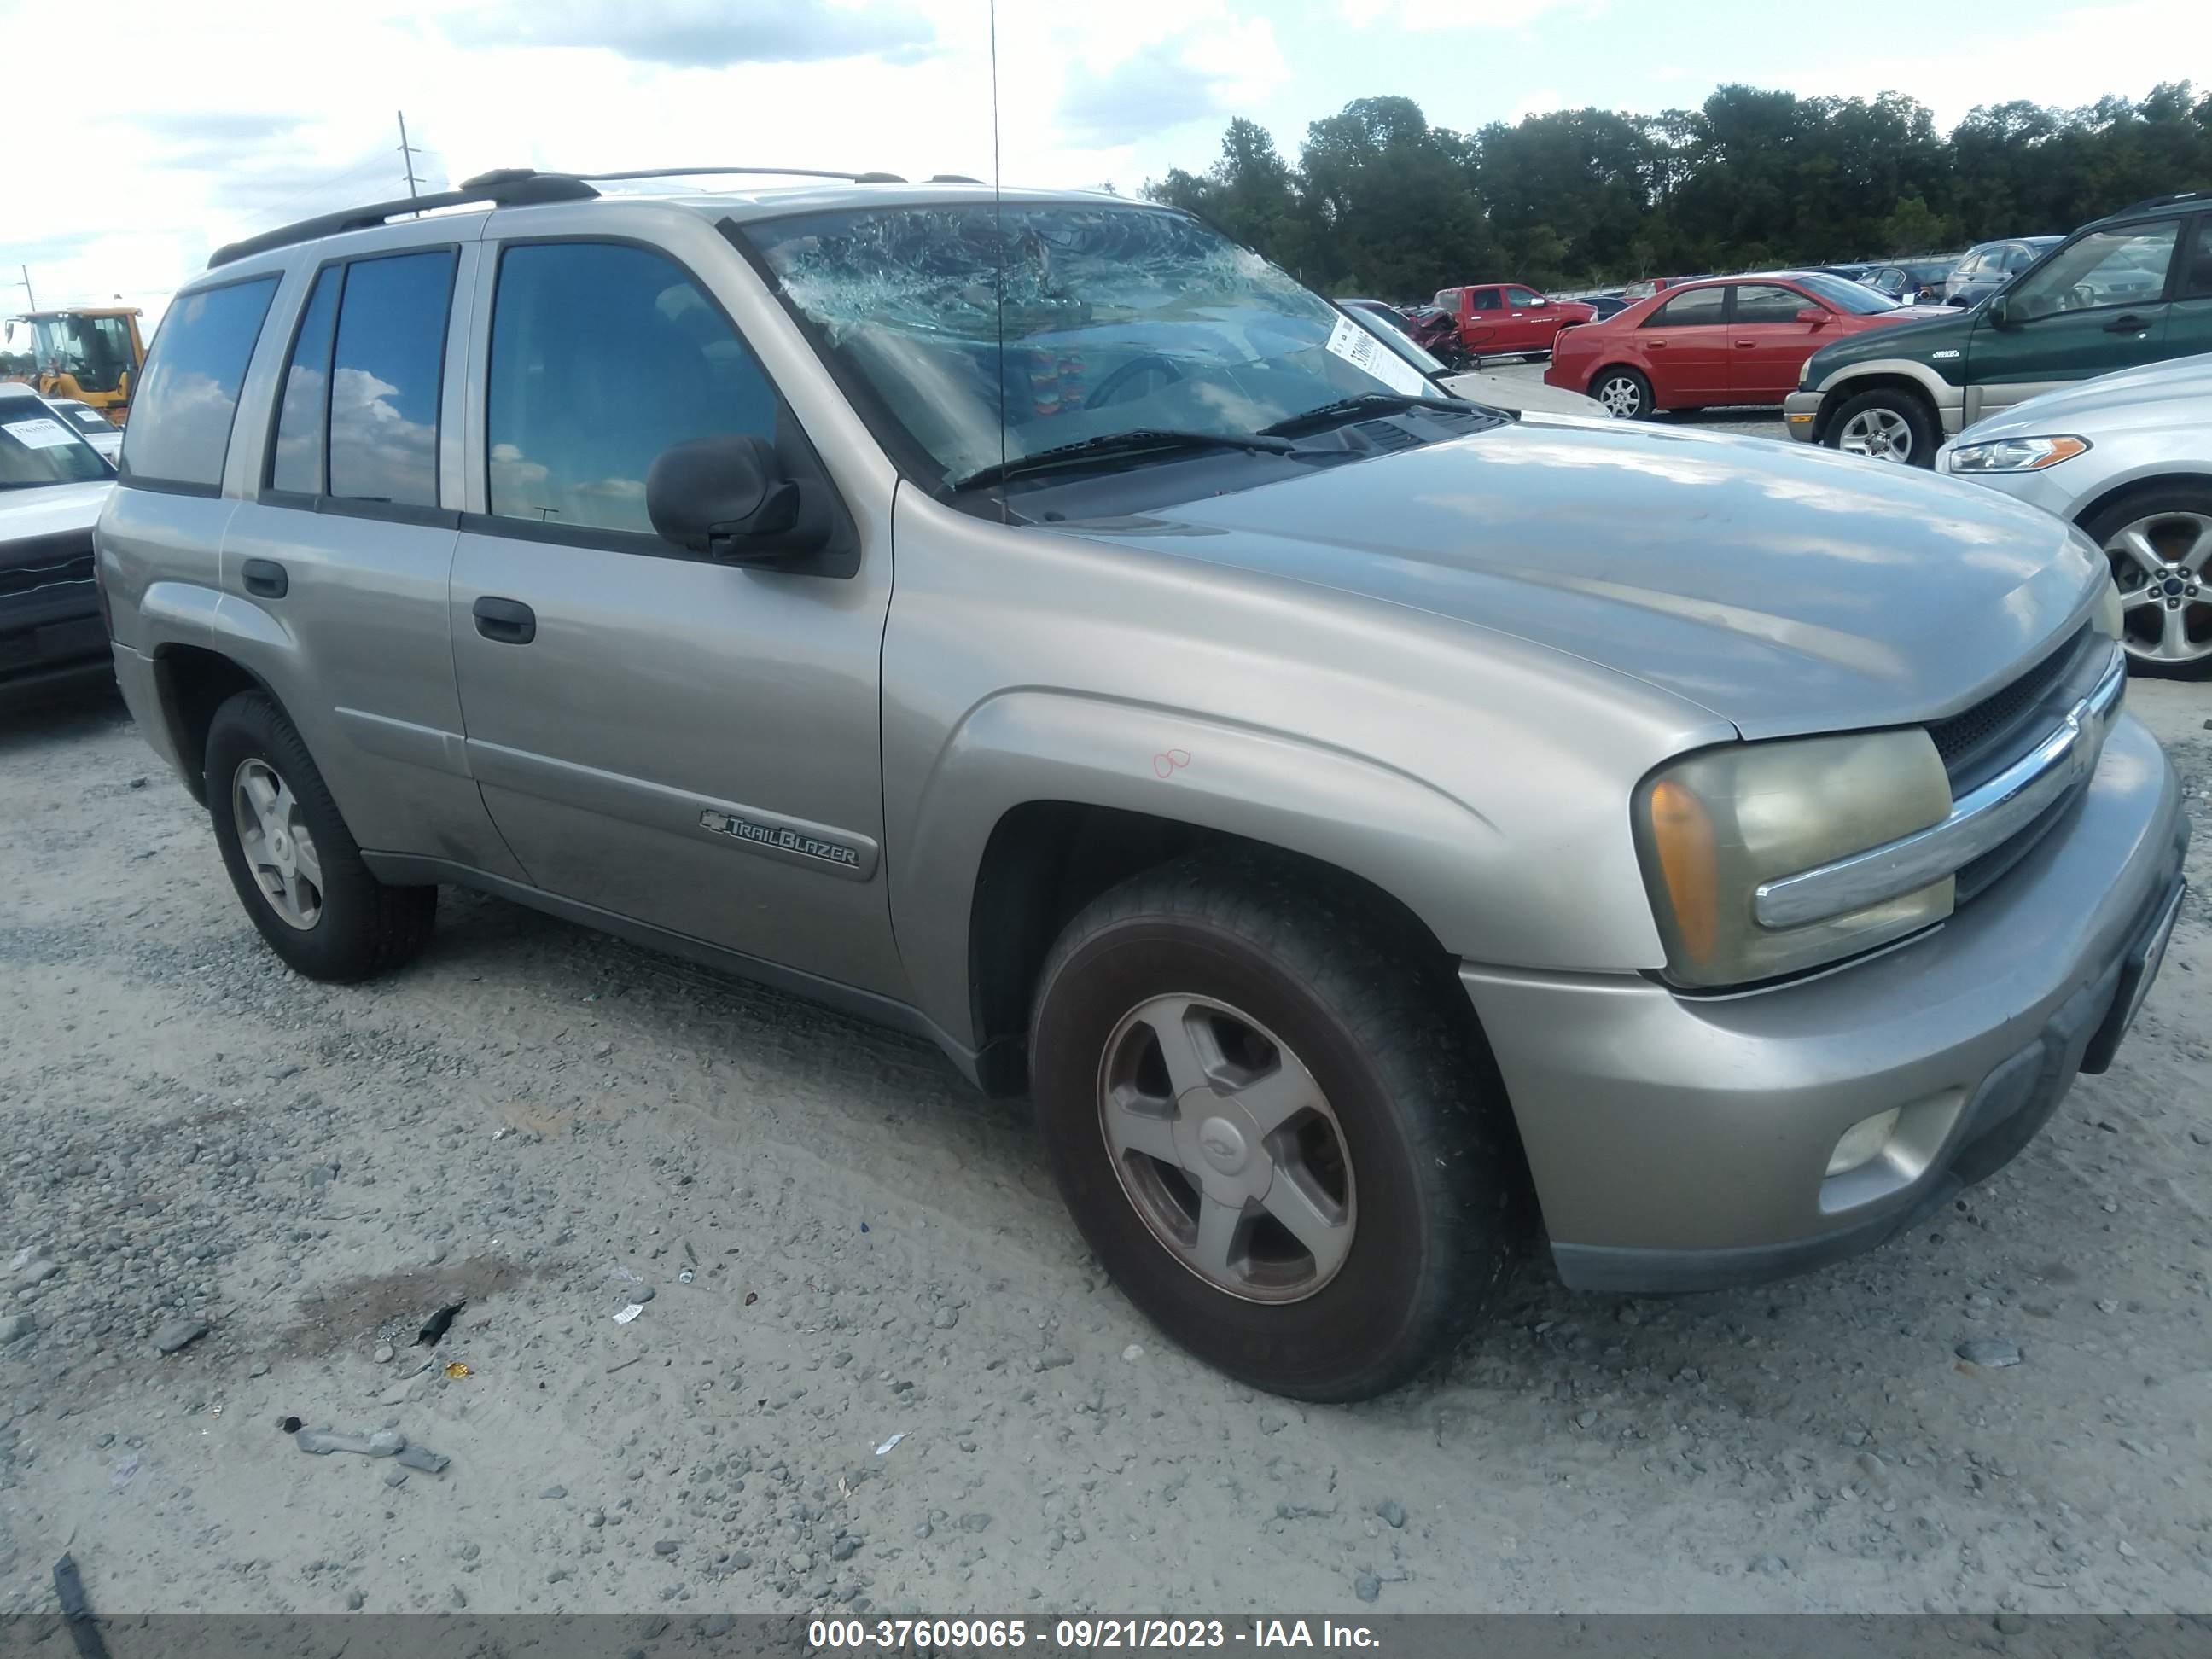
(1120, 377)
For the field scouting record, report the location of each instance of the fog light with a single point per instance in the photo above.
(1862, 1141)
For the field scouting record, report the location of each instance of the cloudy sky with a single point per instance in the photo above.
(206, 121)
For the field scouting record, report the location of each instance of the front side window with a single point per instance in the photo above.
(37, 447)
(1839, 293)
(602, 357)
(387, 361)
(1693, 307)
(1768, 302)
(1116, 318)
(2123, 266)
(180, 418)
(1520, 298)
(2194, 280)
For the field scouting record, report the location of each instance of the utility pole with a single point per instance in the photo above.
(407, 154)
(27, 294)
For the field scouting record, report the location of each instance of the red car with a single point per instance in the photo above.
(1505, 319)
(1731, 340)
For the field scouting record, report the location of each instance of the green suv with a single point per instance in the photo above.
(2129, 289)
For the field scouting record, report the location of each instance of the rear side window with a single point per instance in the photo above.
(388, 361)
(1486, 299)
(297, 465)
(1691, 308)
(180, 419)
(602, 357)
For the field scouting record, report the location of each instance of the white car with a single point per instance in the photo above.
(94, 428)
(52, 485)
(1523, 397)
(2128, 457)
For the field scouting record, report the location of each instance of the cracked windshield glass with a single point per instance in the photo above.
(1116, 319)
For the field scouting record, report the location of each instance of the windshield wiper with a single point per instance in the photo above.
(1394, 403)
(1113, 443)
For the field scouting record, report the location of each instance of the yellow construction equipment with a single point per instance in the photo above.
(91, 353)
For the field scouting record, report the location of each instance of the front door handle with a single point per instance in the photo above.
(2127, 323)
(509, 622)
(265, 578)
(1747, 345)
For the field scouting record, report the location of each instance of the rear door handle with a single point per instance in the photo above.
(509, 622)
(2127, 323)
(1747, 345)
(265, 578)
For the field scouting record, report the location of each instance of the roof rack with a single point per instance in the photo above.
(2150, 201)
(506, 187)
(519, 187)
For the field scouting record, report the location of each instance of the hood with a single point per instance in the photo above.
(1511, 391)
(50, 509)
(2176, 394)
(1782, 588)
(1915, 331)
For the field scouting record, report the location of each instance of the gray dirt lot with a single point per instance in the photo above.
(845, 1244)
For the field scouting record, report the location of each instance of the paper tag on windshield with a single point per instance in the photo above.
(37, 434)
(1365, 352)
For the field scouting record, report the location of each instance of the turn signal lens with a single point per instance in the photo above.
(2016, 454)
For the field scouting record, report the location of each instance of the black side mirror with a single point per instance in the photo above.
(728, 497)
(2000, 311)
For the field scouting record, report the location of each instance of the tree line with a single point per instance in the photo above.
(1382, 203)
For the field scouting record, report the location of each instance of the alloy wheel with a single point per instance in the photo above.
(1227, 1148)
(278, 847)
(1881, 435)
(2166, 604)
(1622, 397)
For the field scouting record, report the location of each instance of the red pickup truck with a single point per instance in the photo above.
(1505, 319)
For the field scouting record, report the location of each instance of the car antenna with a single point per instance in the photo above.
(998, 237)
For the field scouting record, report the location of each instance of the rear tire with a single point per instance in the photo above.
(1626, 393)
(296, 866)
(1174, 1018)
(1886, 425)
(2158, 539)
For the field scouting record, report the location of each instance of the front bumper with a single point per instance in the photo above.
(1681, 1143)
(2049, 488)
(50, 632)
(1800, 410)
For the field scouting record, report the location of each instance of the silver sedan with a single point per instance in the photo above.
(2128, 457)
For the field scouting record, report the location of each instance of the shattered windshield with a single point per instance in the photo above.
(1117, 319)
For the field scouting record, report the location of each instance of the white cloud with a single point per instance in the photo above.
(1442, 16)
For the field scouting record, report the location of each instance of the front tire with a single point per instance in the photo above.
(1625, 394)
(2159, 541)
(1272, 1117)
(296, 866)
(1886, 425)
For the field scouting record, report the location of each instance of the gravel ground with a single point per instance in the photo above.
(834, 1243)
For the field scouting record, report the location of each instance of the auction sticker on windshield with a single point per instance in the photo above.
(1365, 352)
(45, 434)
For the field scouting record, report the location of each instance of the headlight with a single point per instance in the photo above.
(2016, 454)
(1711, 827)
(2110, 618)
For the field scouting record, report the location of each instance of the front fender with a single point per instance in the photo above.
(1405, 837)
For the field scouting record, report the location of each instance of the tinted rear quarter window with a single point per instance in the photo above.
(180, 419)
(2194, 280)
(386, 373)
